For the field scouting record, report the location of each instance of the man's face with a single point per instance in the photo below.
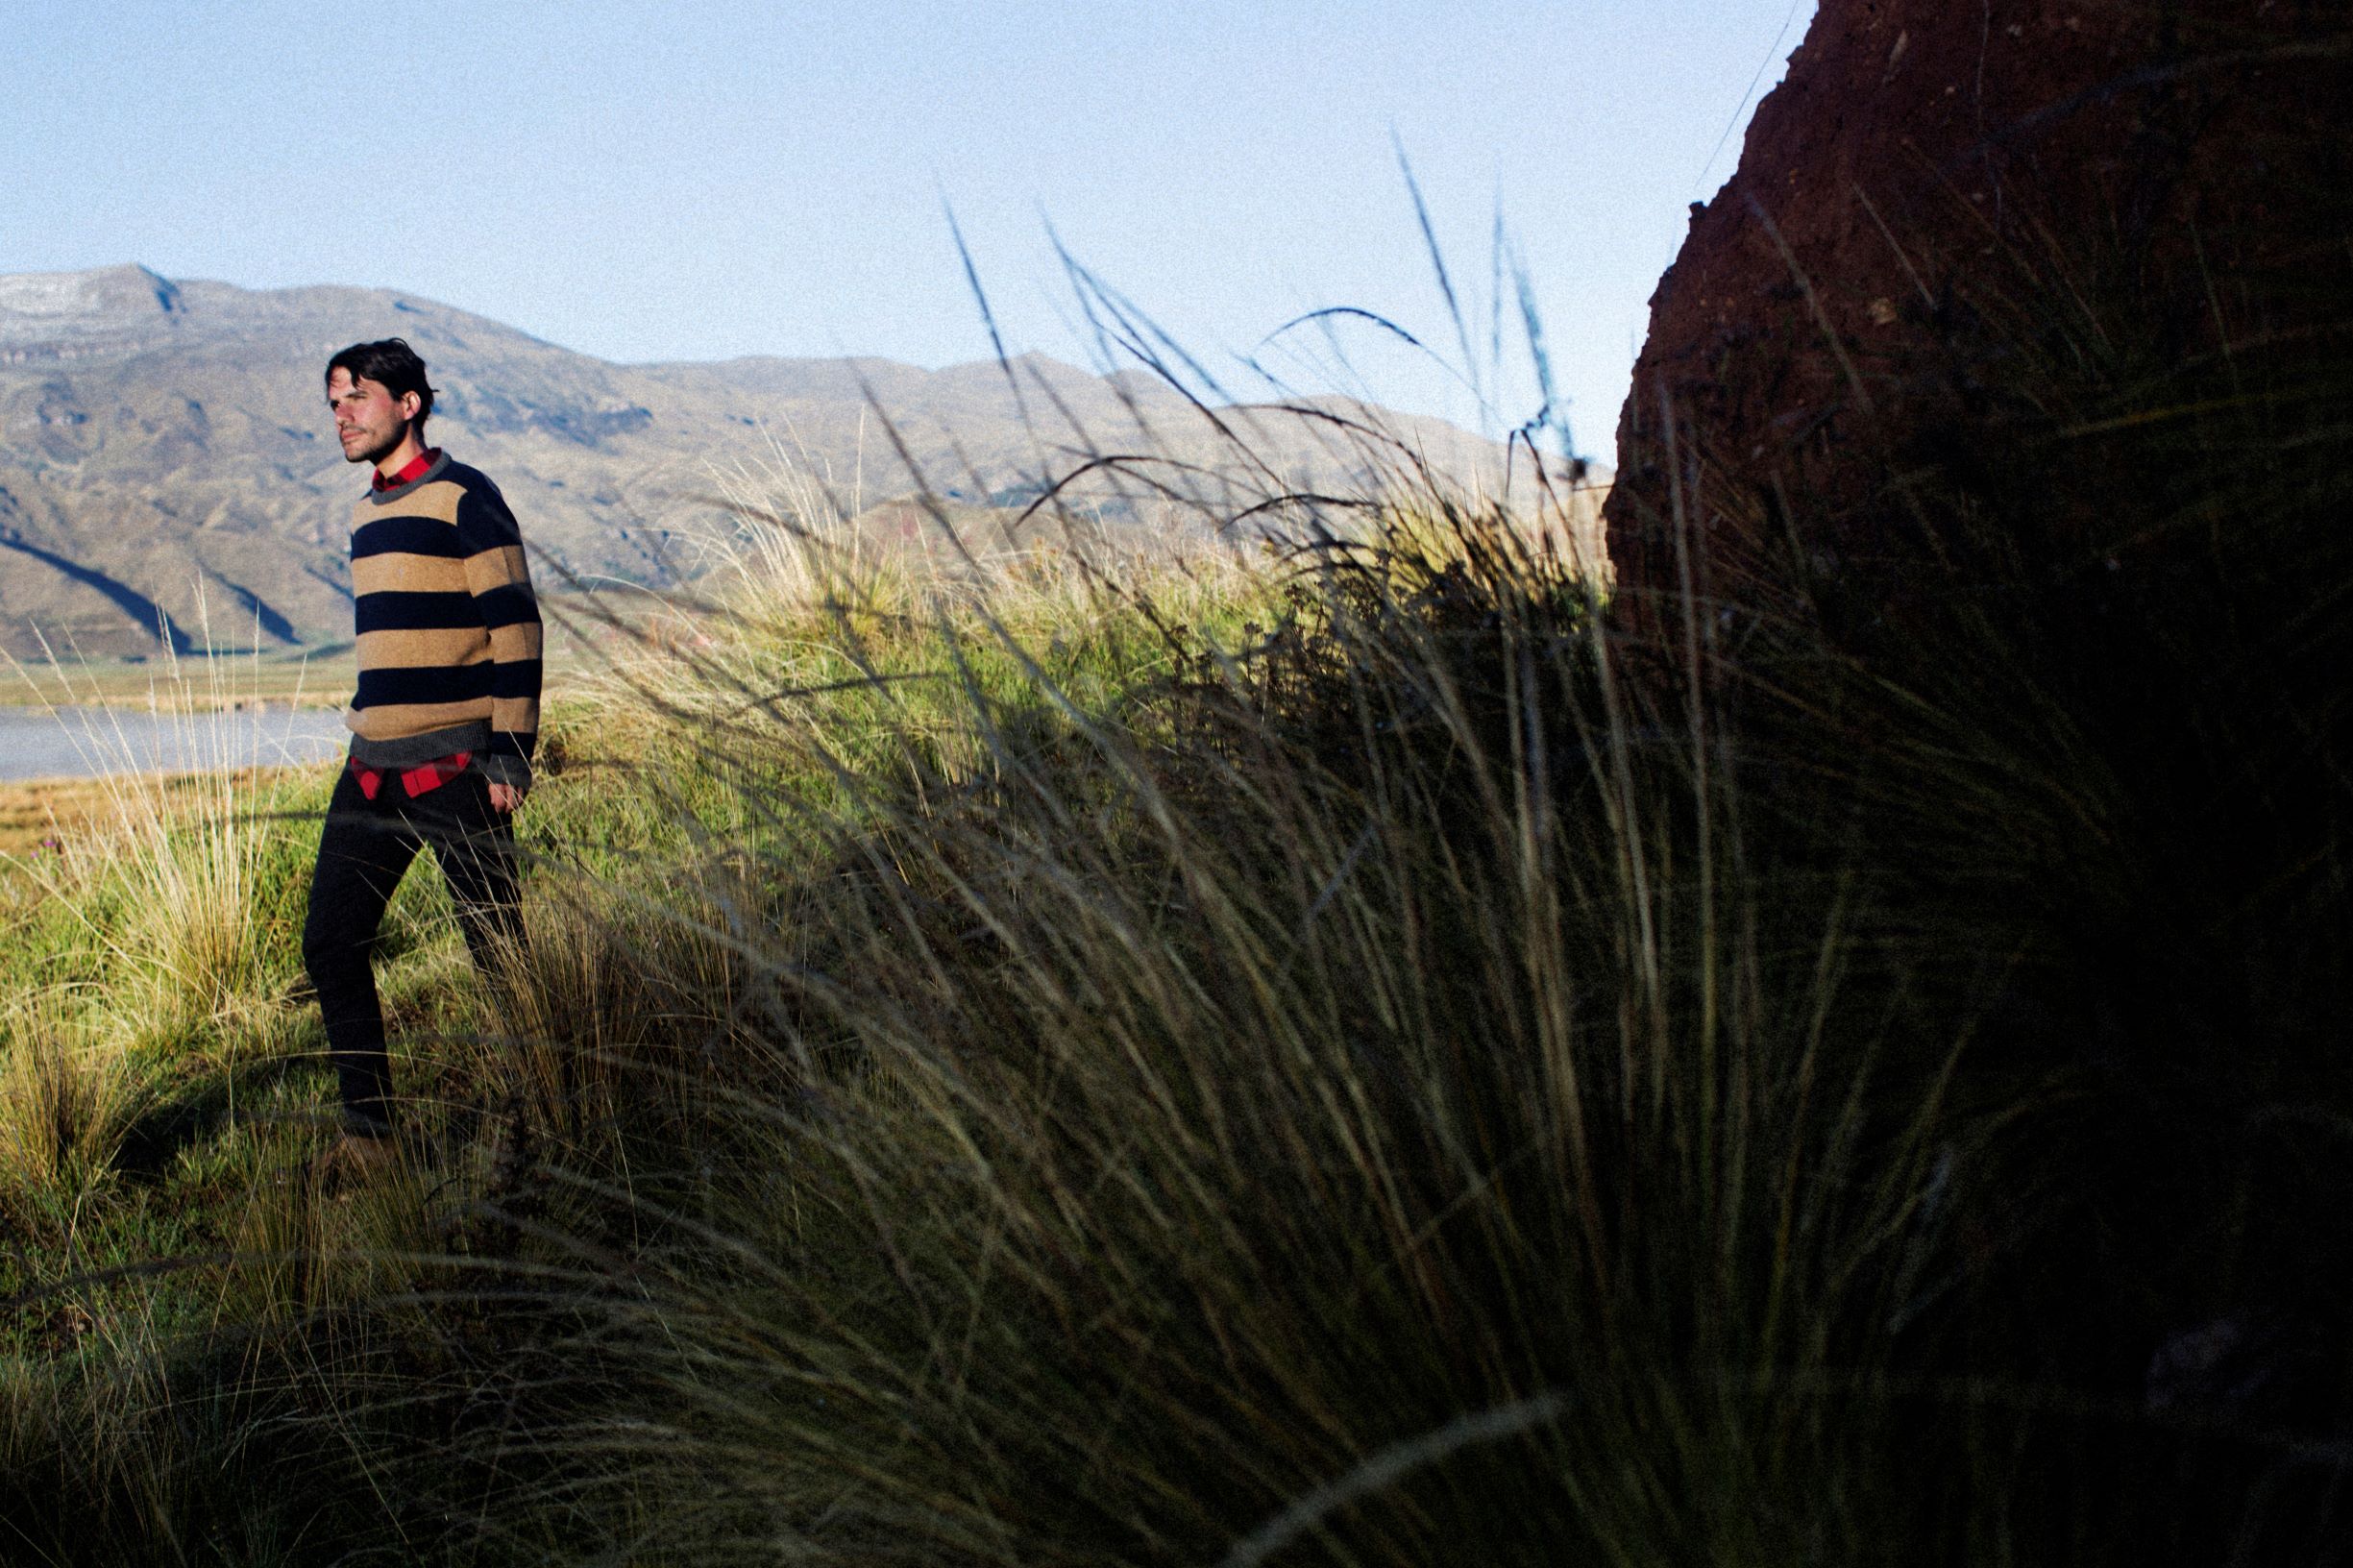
(370, 422)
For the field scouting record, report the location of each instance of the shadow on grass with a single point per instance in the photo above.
(201, 1108)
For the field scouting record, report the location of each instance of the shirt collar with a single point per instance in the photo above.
(410, 472)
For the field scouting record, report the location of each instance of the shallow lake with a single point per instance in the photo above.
(87, 742)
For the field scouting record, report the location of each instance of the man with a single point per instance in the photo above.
(443, 723)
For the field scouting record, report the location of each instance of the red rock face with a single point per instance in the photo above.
(1923, 165)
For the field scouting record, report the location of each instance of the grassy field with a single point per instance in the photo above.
(1353, 1054)
(161, 1087)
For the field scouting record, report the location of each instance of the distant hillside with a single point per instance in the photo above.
(157, 434)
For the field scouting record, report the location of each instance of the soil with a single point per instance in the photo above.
(1922, 156)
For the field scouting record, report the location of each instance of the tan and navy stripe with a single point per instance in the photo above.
(448, 628)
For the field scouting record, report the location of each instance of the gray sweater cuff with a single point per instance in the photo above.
(504, 767)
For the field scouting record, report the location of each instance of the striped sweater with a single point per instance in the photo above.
(448, 626)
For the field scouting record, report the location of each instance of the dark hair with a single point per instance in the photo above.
(391, 365)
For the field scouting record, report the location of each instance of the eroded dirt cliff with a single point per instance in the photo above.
(1940, 191)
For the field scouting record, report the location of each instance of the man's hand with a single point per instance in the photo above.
(503, 798)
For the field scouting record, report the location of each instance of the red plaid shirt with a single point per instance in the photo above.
(412, 470)
(426, 776)
(422, 779)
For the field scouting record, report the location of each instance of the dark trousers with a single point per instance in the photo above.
(363, 850)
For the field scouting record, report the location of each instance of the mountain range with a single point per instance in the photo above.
(166, 462)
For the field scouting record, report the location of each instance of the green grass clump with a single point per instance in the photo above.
(1330, 1077)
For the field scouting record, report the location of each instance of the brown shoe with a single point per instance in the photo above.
(354, 1157)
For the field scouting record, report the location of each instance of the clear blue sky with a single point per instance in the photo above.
(704, 179)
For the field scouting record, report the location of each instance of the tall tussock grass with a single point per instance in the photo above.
(183, 880)
(1439, 1071)
(1364, 1051)
(1347, 1098)
(66, 1102)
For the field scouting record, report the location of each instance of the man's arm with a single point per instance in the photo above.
(500, 581)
